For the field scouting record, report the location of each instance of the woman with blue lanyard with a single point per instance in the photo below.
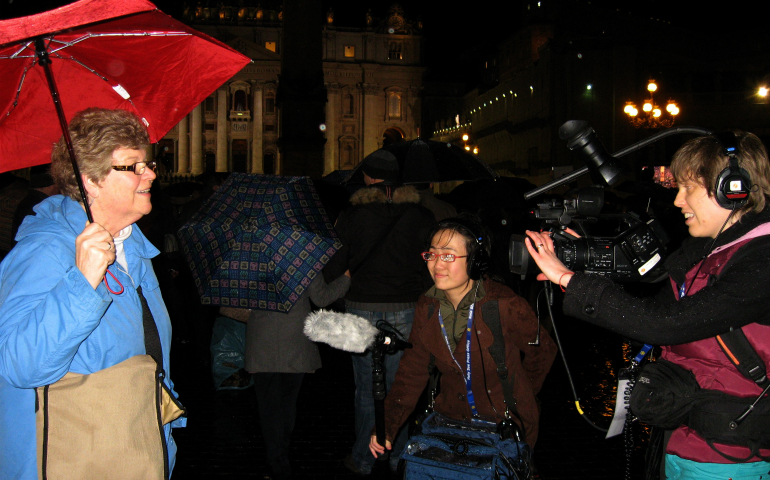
(719, 284)
(450, 331)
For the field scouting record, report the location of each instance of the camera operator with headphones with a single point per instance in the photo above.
(719, 281)
(460, 314)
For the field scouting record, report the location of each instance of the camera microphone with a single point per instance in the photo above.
(343, 331)
(349, 332)
(581, 138)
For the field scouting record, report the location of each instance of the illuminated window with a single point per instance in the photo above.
(394, 51)
(350, 51)
(270, 46)
(394, 105)
(240, 101)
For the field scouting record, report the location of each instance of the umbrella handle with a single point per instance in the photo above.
(45, 62)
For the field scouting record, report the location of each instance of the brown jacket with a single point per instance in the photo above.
(519, 328)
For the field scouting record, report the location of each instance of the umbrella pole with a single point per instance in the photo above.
(45, 62)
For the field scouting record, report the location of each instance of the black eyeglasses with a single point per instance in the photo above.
(445, 257)
(138, 168)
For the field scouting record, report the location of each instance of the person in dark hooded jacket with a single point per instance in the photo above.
(382, 234)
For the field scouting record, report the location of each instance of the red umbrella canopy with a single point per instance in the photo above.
(104, 53)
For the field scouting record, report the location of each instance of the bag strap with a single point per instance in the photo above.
(151, 336)
(491, 314)
(739, 351)
(753, 446)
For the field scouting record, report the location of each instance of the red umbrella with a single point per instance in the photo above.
(100, 53)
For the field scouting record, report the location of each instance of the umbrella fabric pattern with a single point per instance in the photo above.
(258, 242)
(103, 53)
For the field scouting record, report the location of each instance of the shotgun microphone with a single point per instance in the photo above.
(343, 331)
(349, 332)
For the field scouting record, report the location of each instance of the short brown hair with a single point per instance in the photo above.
(96, 133)
(702, 159)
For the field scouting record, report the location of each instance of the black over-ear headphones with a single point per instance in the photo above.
(733, 184)
(478, 261)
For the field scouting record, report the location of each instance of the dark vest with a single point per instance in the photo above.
(709, 363)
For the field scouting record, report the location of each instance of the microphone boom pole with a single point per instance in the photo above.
(378, 387)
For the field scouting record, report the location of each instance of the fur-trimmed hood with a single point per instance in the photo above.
(378, 194)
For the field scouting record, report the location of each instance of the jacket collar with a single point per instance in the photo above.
(693, 249)
(378, 193)
(431, 335)
(67, 212)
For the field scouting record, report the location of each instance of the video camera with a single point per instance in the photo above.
(634, 253)
(635, 249)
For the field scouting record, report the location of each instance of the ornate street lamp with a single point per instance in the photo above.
(468, 146)
(652, 116)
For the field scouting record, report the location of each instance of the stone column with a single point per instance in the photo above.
(221, 161)
(183, 160)
(257, 132)
(196, 142)
(372, 107)
(333, 115)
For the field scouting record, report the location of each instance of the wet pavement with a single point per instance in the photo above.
(223, 438)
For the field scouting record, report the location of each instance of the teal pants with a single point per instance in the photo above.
(678, 468)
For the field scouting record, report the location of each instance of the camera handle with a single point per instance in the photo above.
(625, 151)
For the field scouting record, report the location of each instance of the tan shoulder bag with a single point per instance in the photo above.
(108, 424)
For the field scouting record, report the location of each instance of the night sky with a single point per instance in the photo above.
(459, 32)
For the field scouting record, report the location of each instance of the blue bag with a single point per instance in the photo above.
(450, 449)
(228, 343)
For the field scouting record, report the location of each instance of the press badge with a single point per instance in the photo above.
(621, 404)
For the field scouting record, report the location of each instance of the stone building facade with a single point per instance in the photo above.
(373, 77)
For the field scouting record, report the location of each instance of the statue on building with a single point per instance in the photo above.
(369, 18)
(330, 16)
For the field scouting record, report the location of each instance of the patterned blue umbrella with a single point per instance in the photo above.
(258, 242)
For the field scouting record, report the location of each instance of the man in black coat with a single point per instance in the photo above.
(383, 233)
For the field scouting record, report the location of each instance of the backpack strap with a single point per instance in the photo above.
(432, 370)
(491, 315)
(740, 352)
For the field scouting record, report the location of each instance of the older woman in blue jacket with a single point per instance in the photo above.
(68, 290)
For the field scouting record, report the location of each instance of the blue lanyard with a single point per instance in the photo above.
(639, 356)
(469, 391)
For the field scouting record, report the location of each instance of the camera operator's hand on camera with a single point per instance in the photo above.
(540, 247)
(378, 449)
